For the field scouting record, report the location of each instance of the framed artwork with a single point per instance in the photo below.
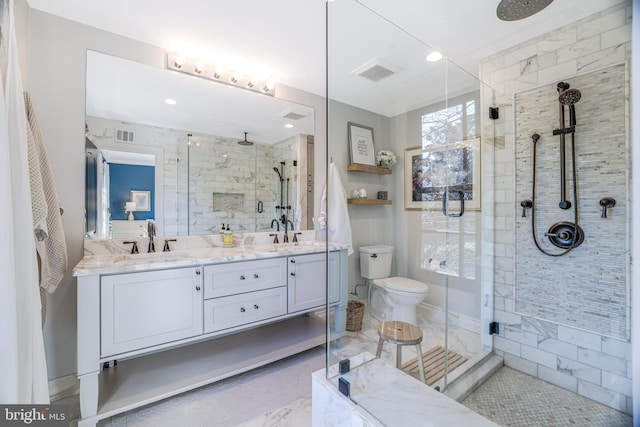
(142, 200)
(448, 172)
(361, 144)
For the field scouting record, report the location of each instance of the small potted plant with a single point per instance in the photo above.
(385, 159)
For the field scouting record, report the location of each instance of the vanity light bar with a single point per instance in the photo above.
(217, 74)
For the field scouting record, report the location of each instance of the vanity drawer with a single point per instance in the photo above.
(236, 310)
(246, 276)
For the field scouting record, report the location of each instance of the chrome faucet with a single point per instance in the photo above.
(285, 238)
(151, 232)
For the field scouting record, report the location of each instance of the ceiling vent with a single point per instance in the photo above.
(292, 114)
(124, 135)
(375, 70)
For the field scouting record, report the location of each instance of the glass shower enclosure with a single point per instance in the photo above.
(438, 213)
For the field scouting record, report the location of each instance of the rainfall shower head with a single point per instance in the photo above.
(514, 10)
(569, 97)
(245, 142)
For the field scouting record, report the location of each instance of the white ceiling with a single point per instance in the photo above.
(288, 37)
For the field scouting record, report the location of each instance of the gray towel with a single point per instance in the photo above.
(46, 210)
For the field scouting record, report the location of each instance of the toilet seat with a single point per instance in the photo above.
(404, 284)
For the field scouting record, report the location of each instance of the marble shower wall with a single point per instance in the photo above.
(574, 355)
(588, 287)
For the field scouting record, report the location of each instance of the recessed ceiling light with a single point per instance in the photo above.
(434, 56)
(170, 101)
(288, 125)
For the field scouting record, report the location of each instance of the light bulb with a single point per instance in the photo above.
(434, 56)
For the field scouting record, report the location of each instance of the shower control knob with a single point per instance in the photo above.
(606, 202)
(526, 204)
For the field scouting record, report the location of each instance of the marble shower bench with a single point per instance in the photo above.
(382, 395)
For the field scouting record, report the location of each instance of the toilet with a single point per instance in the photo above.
(390, 298)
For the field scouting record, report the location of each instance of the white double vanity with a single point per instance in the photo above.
(153, 325)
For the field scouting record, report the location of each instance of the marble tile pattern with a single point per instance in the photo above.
(568, 341)
(112, 256)
(393, 398)
(512, 398)
(602, 159)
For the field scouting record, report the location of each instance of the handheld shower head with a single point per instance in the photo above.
(569, 97)
(278, 172)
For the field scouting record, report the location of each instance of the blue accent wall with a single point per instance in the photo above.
(124, 178)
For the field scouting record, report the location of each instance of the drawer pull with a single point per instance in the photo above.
(292, 261)
(255, 306)
(197, 288)
(242, 310)
(241, 277)
(255, 276)
(197, 272)
(292, 273)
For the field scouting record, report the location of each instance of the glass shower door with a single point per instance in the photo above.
(435, 221)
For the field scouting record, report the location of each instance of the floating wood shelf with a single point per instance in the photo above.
(368, 202)
(357, 167)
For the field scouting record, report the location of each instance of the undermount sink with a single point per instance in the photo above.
(149, 257)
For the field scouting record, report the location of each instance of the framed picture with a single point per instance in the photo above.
(448, 171)
(361, 144)
(142, 200)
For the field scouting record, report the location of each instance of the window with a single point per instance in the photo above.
(449, 244)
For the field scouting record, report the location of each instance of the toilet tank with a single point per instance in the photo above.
(375, 261)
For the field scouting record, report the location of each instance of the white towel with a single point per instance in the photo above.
(334, 215)
(23, 365)
(46, 210)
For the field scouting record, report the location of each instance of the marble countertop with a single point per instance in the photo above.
(110, 258)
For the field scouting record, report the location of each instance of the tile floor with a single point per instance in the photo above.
(514, 399)
(279, 394)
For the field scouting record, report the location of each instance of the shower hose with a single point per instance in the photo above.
(574, 238)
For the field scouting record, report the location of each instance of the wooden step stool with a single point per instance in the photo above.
(401, 333)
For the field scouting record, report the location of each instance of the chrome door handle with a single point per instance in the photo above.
(445, 203)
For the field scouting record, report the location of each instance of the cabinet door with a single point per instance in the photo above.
(141, 310)
(307, 282)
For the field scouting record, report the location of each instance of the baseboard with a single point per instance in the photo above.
(456, 319)
(63, 387)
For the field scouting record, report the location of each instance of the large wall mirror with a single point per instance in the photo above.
(190, 154)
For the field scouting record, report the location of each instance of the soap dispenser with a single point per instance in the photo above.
(227, 237)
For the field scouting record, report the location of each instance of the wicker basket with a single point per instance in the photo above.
(355, 313)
